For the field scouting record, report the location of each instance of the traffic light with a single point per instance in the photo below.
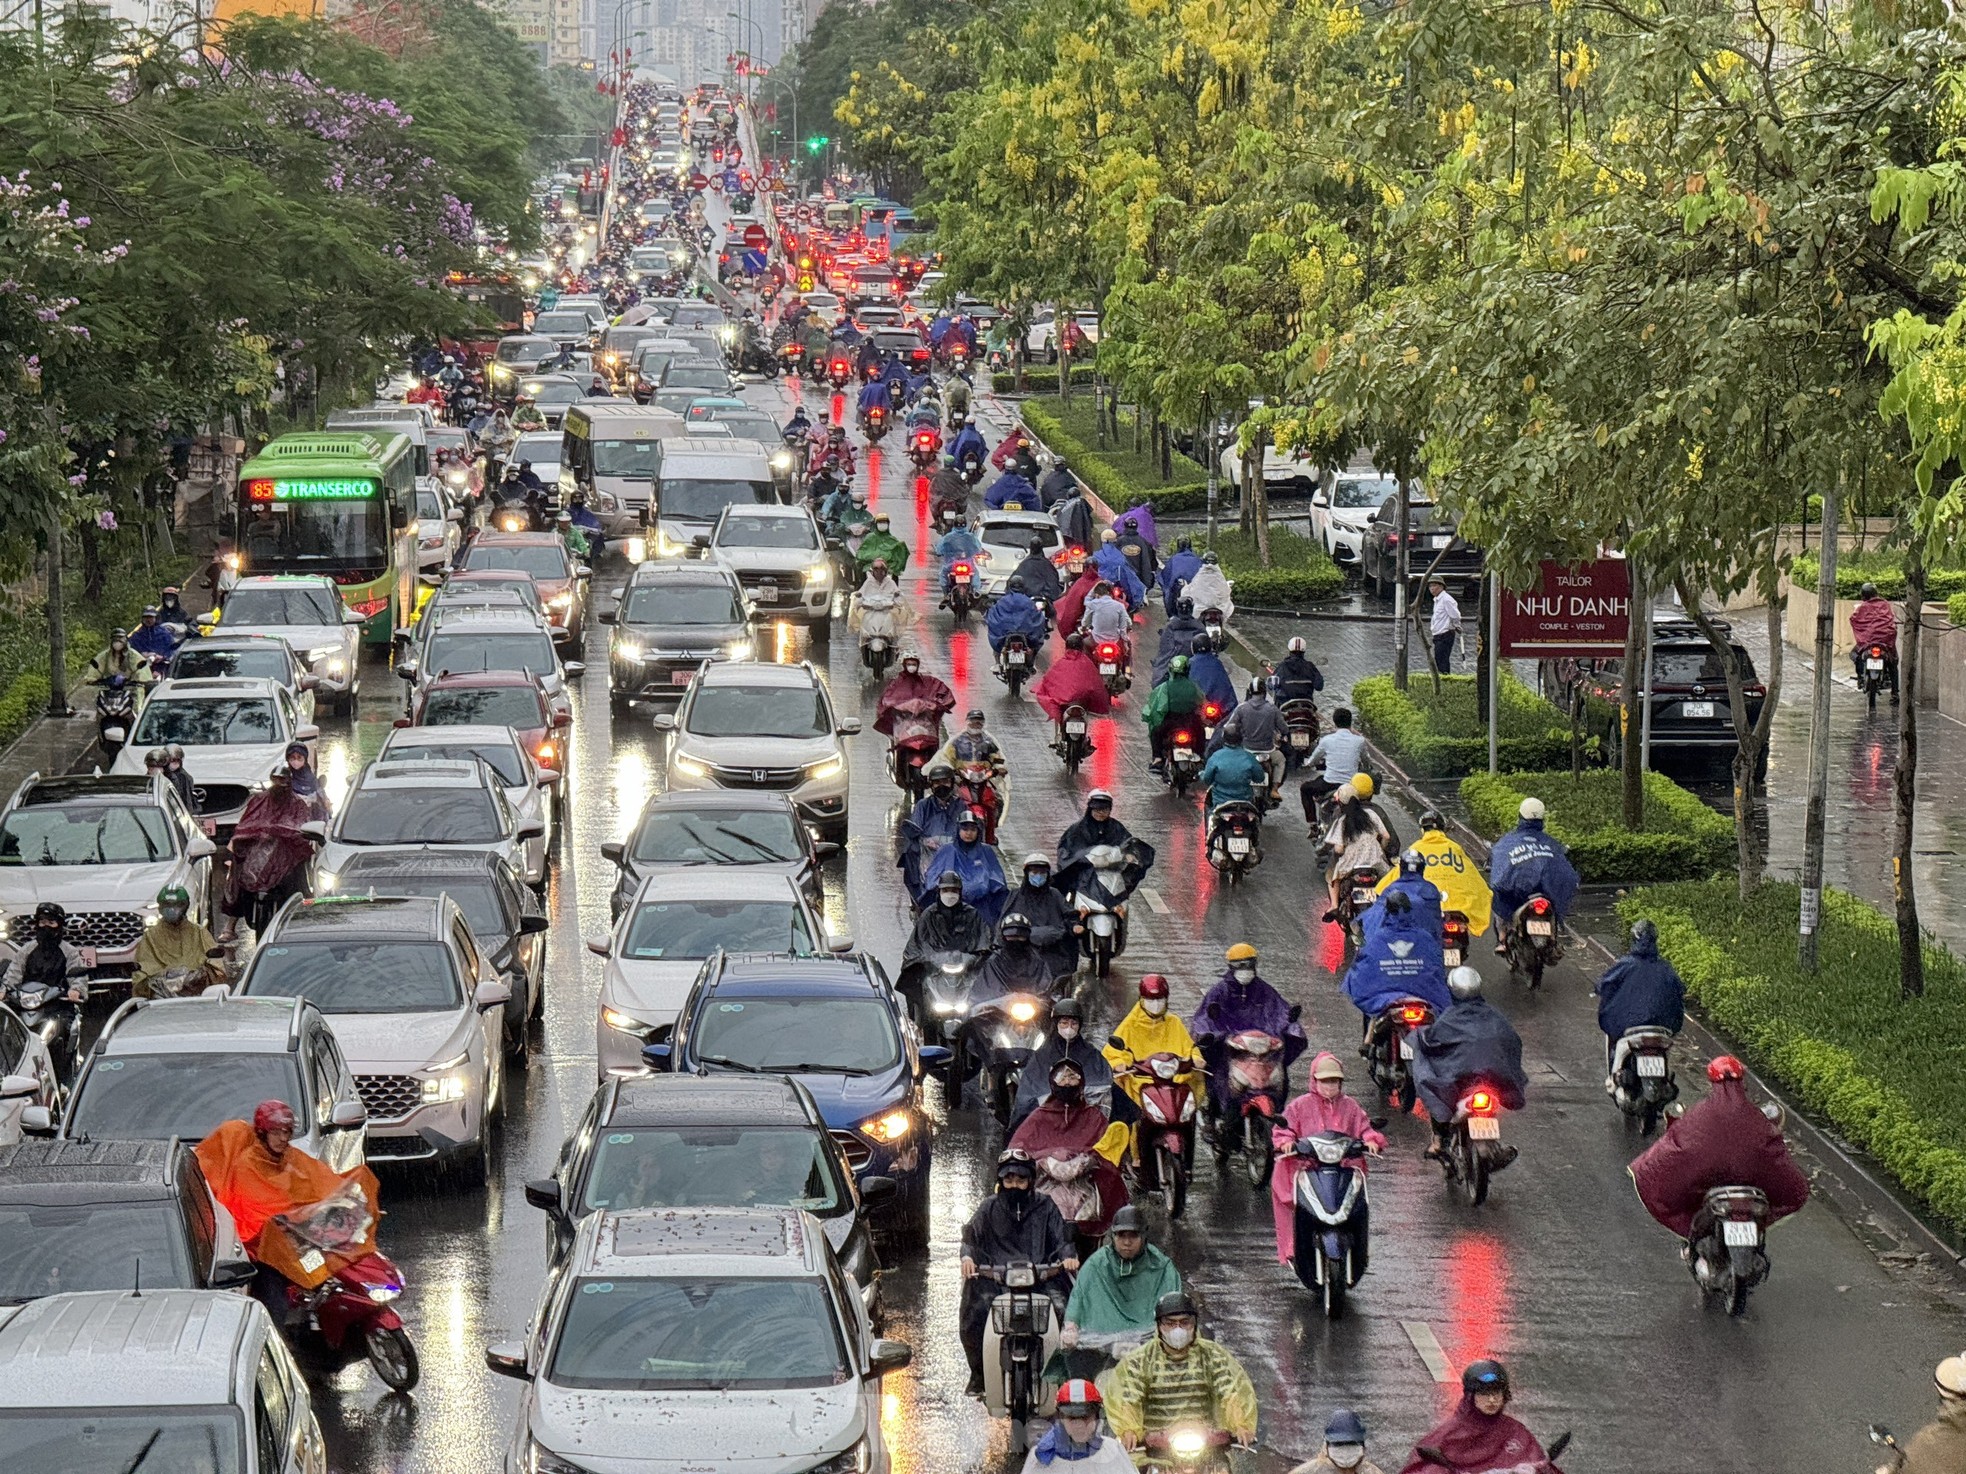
(817, 144)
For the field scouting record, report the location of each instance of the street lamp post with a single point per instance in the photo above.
(750, 88)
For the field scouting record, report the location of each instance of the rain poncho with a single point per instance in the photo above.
(1072, 680)
(1142, 518)
(1069, 608)
(1468, 1041)
(957, 543)
(1720, 1141)
(1153, 1391)
(880, 603)
(1113, 567)
(1104, 1455)
(1105, 620)
(1177, 637)
(1209, 588)
(1474, 1443)
(948, 489)
(1115, 1295)
(1206, 670)
(1040, 577)
(940, 928)
(1058, 484)
(1074, 518)
(1008, 1227)
(268, 848)
(1526, 861)
(1011, 446)
(169, 947)
(1008, 488)
(1014, 614)
(969, 444)
(1055, 1129)
(1874, 622)
(1145, 1036)
(1231, 1008)
(1641, 990)
(984, 886)
(929, 825)
(1175, 696)
(1175, 572)
(931, 692)
(878, 544)
(1457, 877)
(254, 1189)
(1308, 1115)
(873, 395)
(1015, 967)
(1422, 895)
(1400, 959)
(1051, 918)
(1089, 834)
(1034, 1084)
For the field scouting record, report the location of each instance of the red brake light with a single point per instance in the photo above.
(1184, 738)
(1412, 1013)
(962, 568)
(1877, 650)
(1109, 652)
(1481, 1103)
(1540, 906)
(1211, 710)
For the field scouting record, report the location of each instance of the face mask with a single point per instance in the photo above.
(1067, 1031)
(951, 898)
(1178, 1337)
(1330, 1089)
(173, 914)
(943, 790)
(1245, 975)
(48, 933)
(1155, 1007)
(1017, 1195)
(1345, 1455)
(1068, 1095)
(1037, 879)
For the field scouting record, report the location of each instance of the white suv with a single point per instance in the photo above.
(416, 803)
(752, 724)
(234, 731)
(306, 611)
(780, 559)
(707, 1338)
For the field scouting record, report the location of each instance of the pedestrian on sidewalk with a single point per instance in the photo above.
(1941, 1444)
(1445, 626)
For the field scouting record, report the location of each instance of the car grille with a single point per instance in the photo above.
(858, 1154)
(218, 798)
(112, 931)
(389, 1097)
(777, 778)
(787, 586)
(397, 1148)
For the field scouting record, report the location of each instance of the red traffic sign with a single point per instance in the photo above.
(755, 237)
(699, 182)
(1581, 610)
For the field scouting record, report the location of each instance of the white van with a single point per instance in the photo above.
(697, 476)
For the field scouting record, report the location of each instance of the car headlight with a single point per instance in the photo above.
(334, 665)
(819, 575)
(626, 1023)
(628, 650)
(563, 600)
(856, 1460)
(738, 650)
(449, 1085)
(888, 1126)
(500, 371)
(545, 1461)
(667, 547)
(830, 767)
(689, 767)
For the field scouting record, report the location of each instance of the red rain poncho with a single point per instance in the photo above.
(1875, 622)
(934, 695)
(1072, 680)
(1721, 1141)
(1056, 1130)
(267, 845)
(1475, 1443)
(1070, 608)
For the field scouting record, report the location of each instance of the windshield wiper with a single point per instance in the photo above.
(735, 1064)
(756, 845)
(816, 1069)
(144, 1452)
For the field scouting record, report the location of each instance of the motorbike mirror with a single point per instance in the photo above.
(544, 1193)
(231, 1274)
(1114, 1041)
(888, 1356)
(876, 1190)
(491, 994)
(508, 1359)
(216, 954)
(349, 1113)
(934, 1056)
(1558, 1445)
(37, 1120)
(1296, 1012)
(1880, 1434)
(1430, 1455)
(1378, 1123)
(17, 1087)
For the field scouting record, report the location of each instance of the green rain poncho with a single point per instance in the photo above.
(1115, 1294)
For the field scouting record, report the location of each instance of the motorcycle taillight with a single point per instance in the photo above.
(1540, 906)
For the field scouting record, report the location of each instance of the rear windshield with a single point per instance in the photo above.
(758, 711)
(702, 1167)
(484, 706)
(358, 976)
(677, 931)
(501, 757)
(196, 662)
(48, 1248)
(537, 560)
(1688, 666)
(462, 650)
(682, 604)
(396, 815)
(153, 1097)
(517, 350)
(699, 1335)
(722, 837)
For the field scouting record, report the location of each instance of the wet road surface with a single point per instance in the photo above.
(1561, 1273)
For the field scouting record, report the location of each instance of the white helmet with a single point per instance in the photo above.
(1532, 808)
(1296, 644)
(1464, 983)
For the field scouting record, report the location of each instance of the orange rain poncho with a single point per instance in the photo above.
(255, 1189)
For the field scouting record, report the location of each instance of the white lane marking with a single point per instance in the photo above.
(1428, 1345)
(1154, 903)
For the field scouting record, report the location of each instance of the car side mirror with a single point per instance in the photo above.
(875, 1191)
(658, 1056)
(548, 777)
(563, 719)
(613, 851)
(1319, 499)
(544, 1192)
(849, 728)
(200, 848)
(37, 1120)
(308, 682)
(600, 946)
(839, 942)
(606, 616)
(823, 849)
(406, 669)
(402, 722)
(231, 1274)
(665, 721)
(533, 829)
(348, 1113)
(349, 616)
(934, 1056)
(309, 733)
(888, 1356)
(315, 830)
(210, 618)
(507, 1358)
(573, 668)
(18, 1087)
(491, 994)
(581, 570)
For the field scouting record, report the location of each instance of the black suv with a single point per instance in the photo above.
(1430, 535)
(669, 619)
(111, 1215)
(1690, 718)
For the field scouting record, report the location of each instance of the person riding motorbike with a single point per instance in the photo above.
(154, 640)
(1074, 1440)
(1072, 679)
(968, 446)
(1038, 574)
(1014, 614)
(1057, 484)
(1105, 620)
(972, 746)
(177, 775)
(957, 545)
(171, 610)
(1206, 670)
(1008, 489)
(1324, 1107)
(1181, 566)
(1016, 966)
(1354, 841)
(1334, 762)
(1069, 607)
(799, 427)
(949, 924)
(1723, 1140)
(1180, 1379)
(1114, 568)
(1296, 677)
(1177, 638)
(881, 543)
(585, 520)
(1261, 727)
(947, 489)
(1240, 1001)
(571, 537)
(1478, 1435)
(984, 886)
(879, 607)
(118, 659)
(1209, 587)
(1469, 1040)
(1013, 1225)
(1069, 1129)
(1344, 1448)
(831, 458)
(1067, 1044)
(912, 687)
(1641, 990)
(930, 824)
(1150, 1027)
(1054, 922)
(1408, 879)
(529, 479)
(1231, 775)
(1016, 443)
(49, 960)
(269, 854)
(174, 951)
(873, 396)
(1874, 621)
(1529, 861)
(1174, 700)
(1401, 959)
(1095, 829)
(1120, 1284)
(1138, 550)
(1452, 871)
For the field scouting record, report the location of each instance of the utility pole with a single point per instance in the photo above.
(1402, 568)
(1815, 817)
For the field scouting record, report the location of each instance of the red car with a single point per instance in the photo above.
(497, 698)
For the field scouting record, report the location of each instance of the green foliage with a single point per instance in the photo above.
(1121, 478)
(1301, 572)
(1956, 610)
(1439, 736)
(1679, 837)
(1884, 567)
(1880, 1071)
(1036, 381)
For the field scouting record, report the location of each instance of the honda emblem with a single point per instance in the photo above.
(758, 775)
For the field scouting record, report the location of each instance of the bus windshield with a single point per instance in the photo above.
(317, 534)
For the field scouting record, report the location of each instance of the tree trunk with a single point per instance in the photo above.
(1751, 738)
(1631, 738)
(1402, 520)
(1017, 381)
(1257, 493)
(1815, 819)
(1166, 450)
(1138, 416)
(1099, 395)
(1904, 780)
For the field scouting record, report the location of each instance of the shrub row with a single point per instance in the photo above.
(1956, 609)
(1882, 566)
(1120, 478)
(1880, 1071)
(1036, 381)
(1441, 737)
(1300, 573)
(1681, 837)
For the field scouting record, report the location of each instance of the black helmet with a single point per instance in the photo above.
(1068, 1008)
(1173, 1303)
(1184, 544)
(50, 911)
(1644, 934)
(1868, 591)
(1016, 923)
(1035, 547)
(1016, 1159)
(1485, 1376)
(1184, 606)
(1129, 1220)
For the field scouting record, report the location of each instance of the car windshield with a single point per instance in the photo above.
(839, 1035)
(713, 1167)
(698, 603)
(209, 721)
(485, 706)
(652, 1335)
(701, 498)
(464, 650)
(429, 507)
(536, 448)
(788, 531)
(1019, 534)
(625, 460)
(397, 815)
(719, 837)
(479, 900)
(197, 661)
(501, 757)
(153, 1097)
(757, 711)
(1359, 492)
(684, 374)
(536, 560)
(85, 834)
(442, 439)
(49, 1248)
(250, 606)
(109, 1440)
(677, 931)
(357, 976)
(518, 350)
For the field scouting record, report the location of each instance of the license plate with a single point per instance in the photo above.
(1450, 956)
(1361, 899)
(1740, 1233)
(1075, 729)
(1652, 1066)
(963, 579)
(1873, 665)
(88, 956)
(1696, 708)
(1540, 929)
(1238, 846)
(1015, 657)
(767, 593)
(1438, 540)
(1300, 739)
(1107, 668)
(679, 677)
(1484, 1128)
(1406, 1049)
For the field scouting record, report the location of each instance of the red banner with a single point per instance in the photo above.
(1579, 610)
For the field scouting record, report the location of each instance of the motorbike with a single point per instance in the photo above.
(1427, 1454)
(116, 713)
(976, 785)
(1073, 1187)
(924, 448)
(791, 357)
(1455, 938)
(1355, 898)
(962, 589)
(1644, 1085)
(1112, 657)
(873, 424)
(947, 979)
(1236, 839)
(1021, 1336)
(351, 1310)
(1533, 944)
(970, 469)
(1474, 1143)
(839, 372)
(1257, 1088)
(1184, 760)
(1215, 623)
(1101, 903)
(917, 734)
(1300, 729)
(1074, 747)
(1880, 669)
(1389, 1051)
(1002, 1035)
(515, 514)
(1329, 1199)
(877, 650)
(1164, 1138)
(1014, 664)
(50, 1013)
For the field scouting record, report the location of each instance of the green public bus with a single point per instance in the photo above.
(339, 502)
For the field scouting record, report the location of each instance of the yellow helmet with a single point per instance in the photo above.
(1363, 785)
(1241, 952)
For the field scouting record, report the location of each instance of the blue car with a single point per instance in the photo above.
(839, 1029)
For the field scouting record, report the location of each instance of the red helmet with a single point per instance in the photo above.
(1078, 1393)
(1153, 985)
(1725, 1067)
(273, 1115)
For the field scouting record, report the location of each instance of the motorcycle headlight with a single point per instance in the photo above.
(888, 1127)
(1023, 1011)
(782, 461)
(383, 1294)
(855, 1460)
(1187, 1442)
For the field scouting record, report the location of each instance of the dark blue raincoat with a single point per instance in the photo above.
(1641, 990)
(931, 823)
(969, 443)
(1206, 670)
(1011, 487)
(984, 886)
(1114, 568)
(1176, 571)
(1526, 861)
(1230, 1008)
(1426, 900)
(1469, 1041)
(1014, 614)
(1177, 637)
(1400, 959)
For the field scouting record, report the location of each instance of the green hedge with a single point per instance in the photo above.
(1882, 1072)
(1680, 837)
(1440, 737)
(1121, 478)
(1300, 572)
(1881, 566)
(1956, 609)
(1036, 381)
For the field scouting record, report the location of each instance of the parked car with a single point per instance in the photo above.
(1041, 339)
(1344, 504)
(705, 828)
(306, 611)
(234, 731)
(669, 619)
(1431, 542)
(412, 805)
(531, 788)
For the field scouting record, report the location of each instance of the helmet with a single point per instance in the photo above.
(1018, 923)
(1232, 735)
(175, 753)
(1464, 983)
(1153, 985)
(1129, 1220)
(273, 1115)
(1185, 607)
(1645, 933)
(1363, 785)
(1015, 1160)
(1344, 1427)
(1173, 1303)
(940, 770)
(1210, 557)
(1077, 1398)
(1035, 546)
(281, 774)
(1036, 858)
(1065, 1065)
(970, 819)
(1950, 1376)
(1184, 544)
(1296, 646)
(1256, 687)
(1068, 1008)
(1240, 952)
(119, 634)
(879, 565)
(1412, 865)
(174, 895)
(1327, 1066)
(950, 881)
(1431, 819)
(1720, 1067)
(1107, 536)
(1097, 797)
(1178, 666)
(156, 758)
(1532, 808)
(150, 611)
(50, 911)
(1868, 591)
(1485, 1376)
